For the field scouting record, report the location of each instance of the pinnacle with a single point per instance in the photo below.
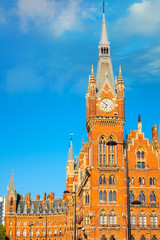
(92, 77)
(120, 78)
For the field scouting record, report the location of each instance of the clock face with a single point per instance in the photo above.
(107, 105)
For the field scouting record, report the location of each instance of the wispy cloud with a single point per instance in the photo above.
(55, 16)
(141, 19)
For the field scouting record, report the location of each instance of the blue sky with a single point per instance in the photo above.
(47, 48)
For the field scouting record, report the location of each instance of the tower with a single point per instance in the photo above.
(104, 123)
(70, 168)
(11, 196)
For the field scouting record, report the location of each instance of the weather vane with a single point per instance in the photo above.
(103, 5)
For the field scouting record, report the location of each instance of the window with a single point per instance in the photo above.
(132, 181)
(55, 232)
(24, 233)
(133, 220)
(102, 196)
(18, 223)
(140, 180)
(143, 181)
(112, 181)
(10, 233)
(151, 181)
(142, 238)
(112, 238)
(142, 219)
(11, 202)
(102, 180)
(112, 196)
(111, 153)
(87, 198)
(103, 218)
(10, 223)
(44, 233)
(154, 181)
(112, 218)
(37, 233)
(142, 197)
(18, 233)
(152, 198)
(141, 158)
(154, 238)
(37, 223)
(103, 238)
(131, 197)
(24, 223)
(43, 223)
(102, 151)
(31, 233)
(87, 218)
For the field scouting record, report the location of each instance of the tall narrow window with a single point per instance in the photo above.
(131, 197)
(100, 195)
(104, 196)
(111, 157)
(114, 196)
(152, 198)
(110, 196)
(102, 151)
(142, 197)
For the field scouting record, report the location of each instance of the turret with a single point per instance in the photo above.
(154, 136)
(11, 196)
(70, 168)
(91, 96)
(120, 93)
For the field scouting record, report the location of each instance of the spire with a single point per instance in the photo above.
(11, 187)
(11, 184)
(70, 153)
(103, 7)
(92, 77)
(104, 36)
(120, 78)
(139, 124)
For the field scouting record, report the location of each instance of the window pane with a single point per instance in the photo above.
(110, 196)
(104, 147)
(105, 219)
(104, 159)
(109, 159)
(114, 196)
(101, 159)
(100, 195)
(104, 196)
(112, 159)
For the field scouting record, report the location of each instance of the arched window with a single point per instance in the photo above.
(114, 181)
(140, 180)
(138, 154)
(110, 180)
(112, 238)
(10, 232)
(103, 218)
(100, 196)
(112, 218)
(101, 50)
(154, 181)
(142, 197)
(104, 180)
(102, 151)
(24, 233)
(154, 238)
(114, 196)
(87, 198)
(31, 233)
(142, 219)
(55, 231)
(100, 180)
(151, 181)
(143, 238)
(142, 154)
(37, 233)
(44, 233)
(49, 232)
(10, 223)
(103, 238)
(104, 196)
(131, 197)
(87, 218)
(153, 220)
(111, 151)
(152, 198)
(143, 181)
(18, 233)
(132, 181)
(110, 196)
(133, 220)
(11, 202)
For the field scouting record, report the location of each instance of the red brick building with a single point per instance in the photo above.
(98, 175)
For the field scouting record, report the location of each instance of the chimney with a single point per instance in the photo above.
(51, 197)
(37, 197)
(44, 198)
(154, 136)
(29, 200)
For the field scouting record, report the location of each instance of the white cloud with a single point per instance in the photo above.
(143, 19)
(22, 79)
(56, 16)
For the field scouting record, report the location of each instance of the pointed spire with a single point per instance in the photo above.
(92, 77)
(11, 184)
(104, 36)
(70, 153)
(120, 78)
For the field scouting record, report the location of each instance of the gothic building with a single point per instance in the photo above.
(97, 177)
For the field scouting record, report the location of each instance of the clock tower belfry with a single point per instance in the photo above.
(105, 121)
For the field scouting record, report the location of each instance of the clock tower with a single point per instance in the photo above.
(105, 121)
